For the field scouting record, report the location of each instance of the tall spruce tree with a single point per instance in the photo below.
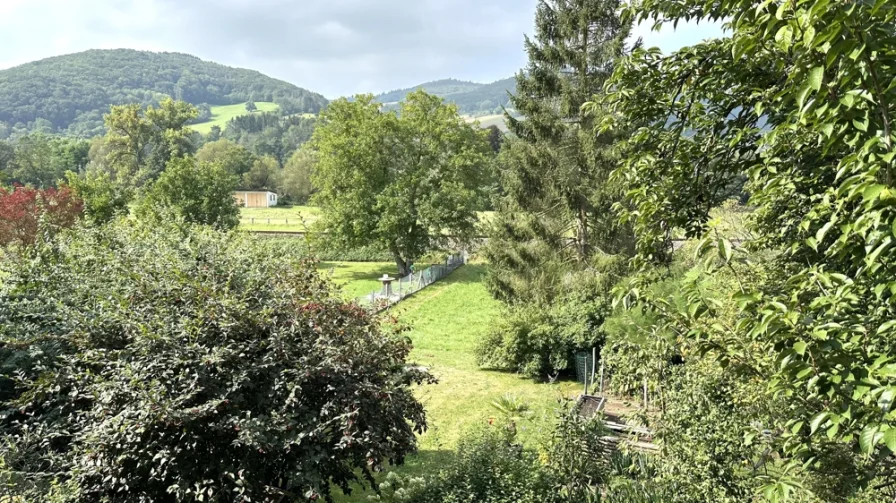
(556, 171)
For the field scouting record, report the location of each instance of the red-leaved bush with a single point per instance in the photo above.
(24, 211)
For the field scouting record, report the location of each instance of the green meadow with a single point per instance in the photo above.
(221, 115)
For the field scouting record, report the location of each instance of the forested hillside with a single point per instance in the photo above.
(70, 93)
(470, 97)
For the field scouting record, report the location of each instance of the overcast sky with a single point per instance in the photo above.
(334, 47)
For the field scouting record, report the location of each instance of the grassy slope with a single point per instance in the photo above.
(447, 320)
(489, 120)
(221, 115)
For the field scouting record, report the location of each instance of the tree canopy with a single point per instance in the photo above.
(399, 180)
(193, 191)
(555, 171)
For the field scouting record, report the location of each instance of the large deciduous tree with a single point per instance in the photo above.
(263, 175)
(140, 143)
(236, 159)
(295, 181)
(401, 180)
(195, 191)
(799, 97)
(40, 160)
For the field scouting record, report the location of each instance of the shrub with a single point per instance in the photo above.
(538, 340)
(24, 212)
(577, 456)
(487, 466)
(144, 363)
(321, 250)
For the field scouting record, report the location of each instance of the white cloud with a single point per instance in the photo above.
(670, 38)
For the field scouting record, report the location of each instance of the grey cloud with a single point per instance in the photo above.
(335, 47)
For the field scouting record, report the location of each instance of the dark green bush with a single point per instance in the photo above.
(154, 364)
(488, 466)
(539, 340)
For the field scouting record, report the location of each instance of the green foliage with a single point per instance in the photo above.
(398, 180)
(169, 363)
(237, 160)
(540, 340)
(72, 92)
(263, 175)
(794, 98)
(324, 251)
(557, 212)
(40, 160)
(195, 192)
(490, 465)
(271, 134)
(295, 182)
(576, 455)
(140, 143)
(103, 198)
(487, 466)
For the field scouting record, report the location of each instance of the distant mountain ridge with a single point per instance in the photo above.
(71, 93)
(471, 98)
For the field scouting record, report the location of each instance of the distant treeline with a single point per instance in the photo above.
(471, 98)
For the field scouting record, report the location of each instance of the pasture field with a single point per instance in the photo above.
(221, 115)
(295, 218)
(489, 120)
(278, 218)
(447, 319)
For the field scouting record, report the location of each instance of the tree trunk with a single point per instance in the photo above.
(582, 234)
(403, 267)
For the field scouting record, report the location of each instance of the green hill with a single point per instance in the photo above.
(71, 93)
(471, 98)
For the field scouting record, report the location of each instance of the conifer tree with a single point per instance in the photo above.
(556, 171)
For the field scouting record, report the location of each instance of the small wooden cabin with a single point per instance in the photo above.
(255, 198)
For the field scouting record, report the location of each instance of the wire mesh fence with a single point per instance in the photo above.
(401, 288)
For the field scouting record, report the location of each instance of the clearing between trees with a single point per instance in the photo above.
(221, 115)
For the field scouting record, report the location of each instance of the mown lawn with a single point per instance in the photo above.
(447, 320)
(221, 115)
(278, 218)
(357, 278)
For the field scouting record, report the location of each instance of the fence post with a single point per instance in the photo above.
(593, 363)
